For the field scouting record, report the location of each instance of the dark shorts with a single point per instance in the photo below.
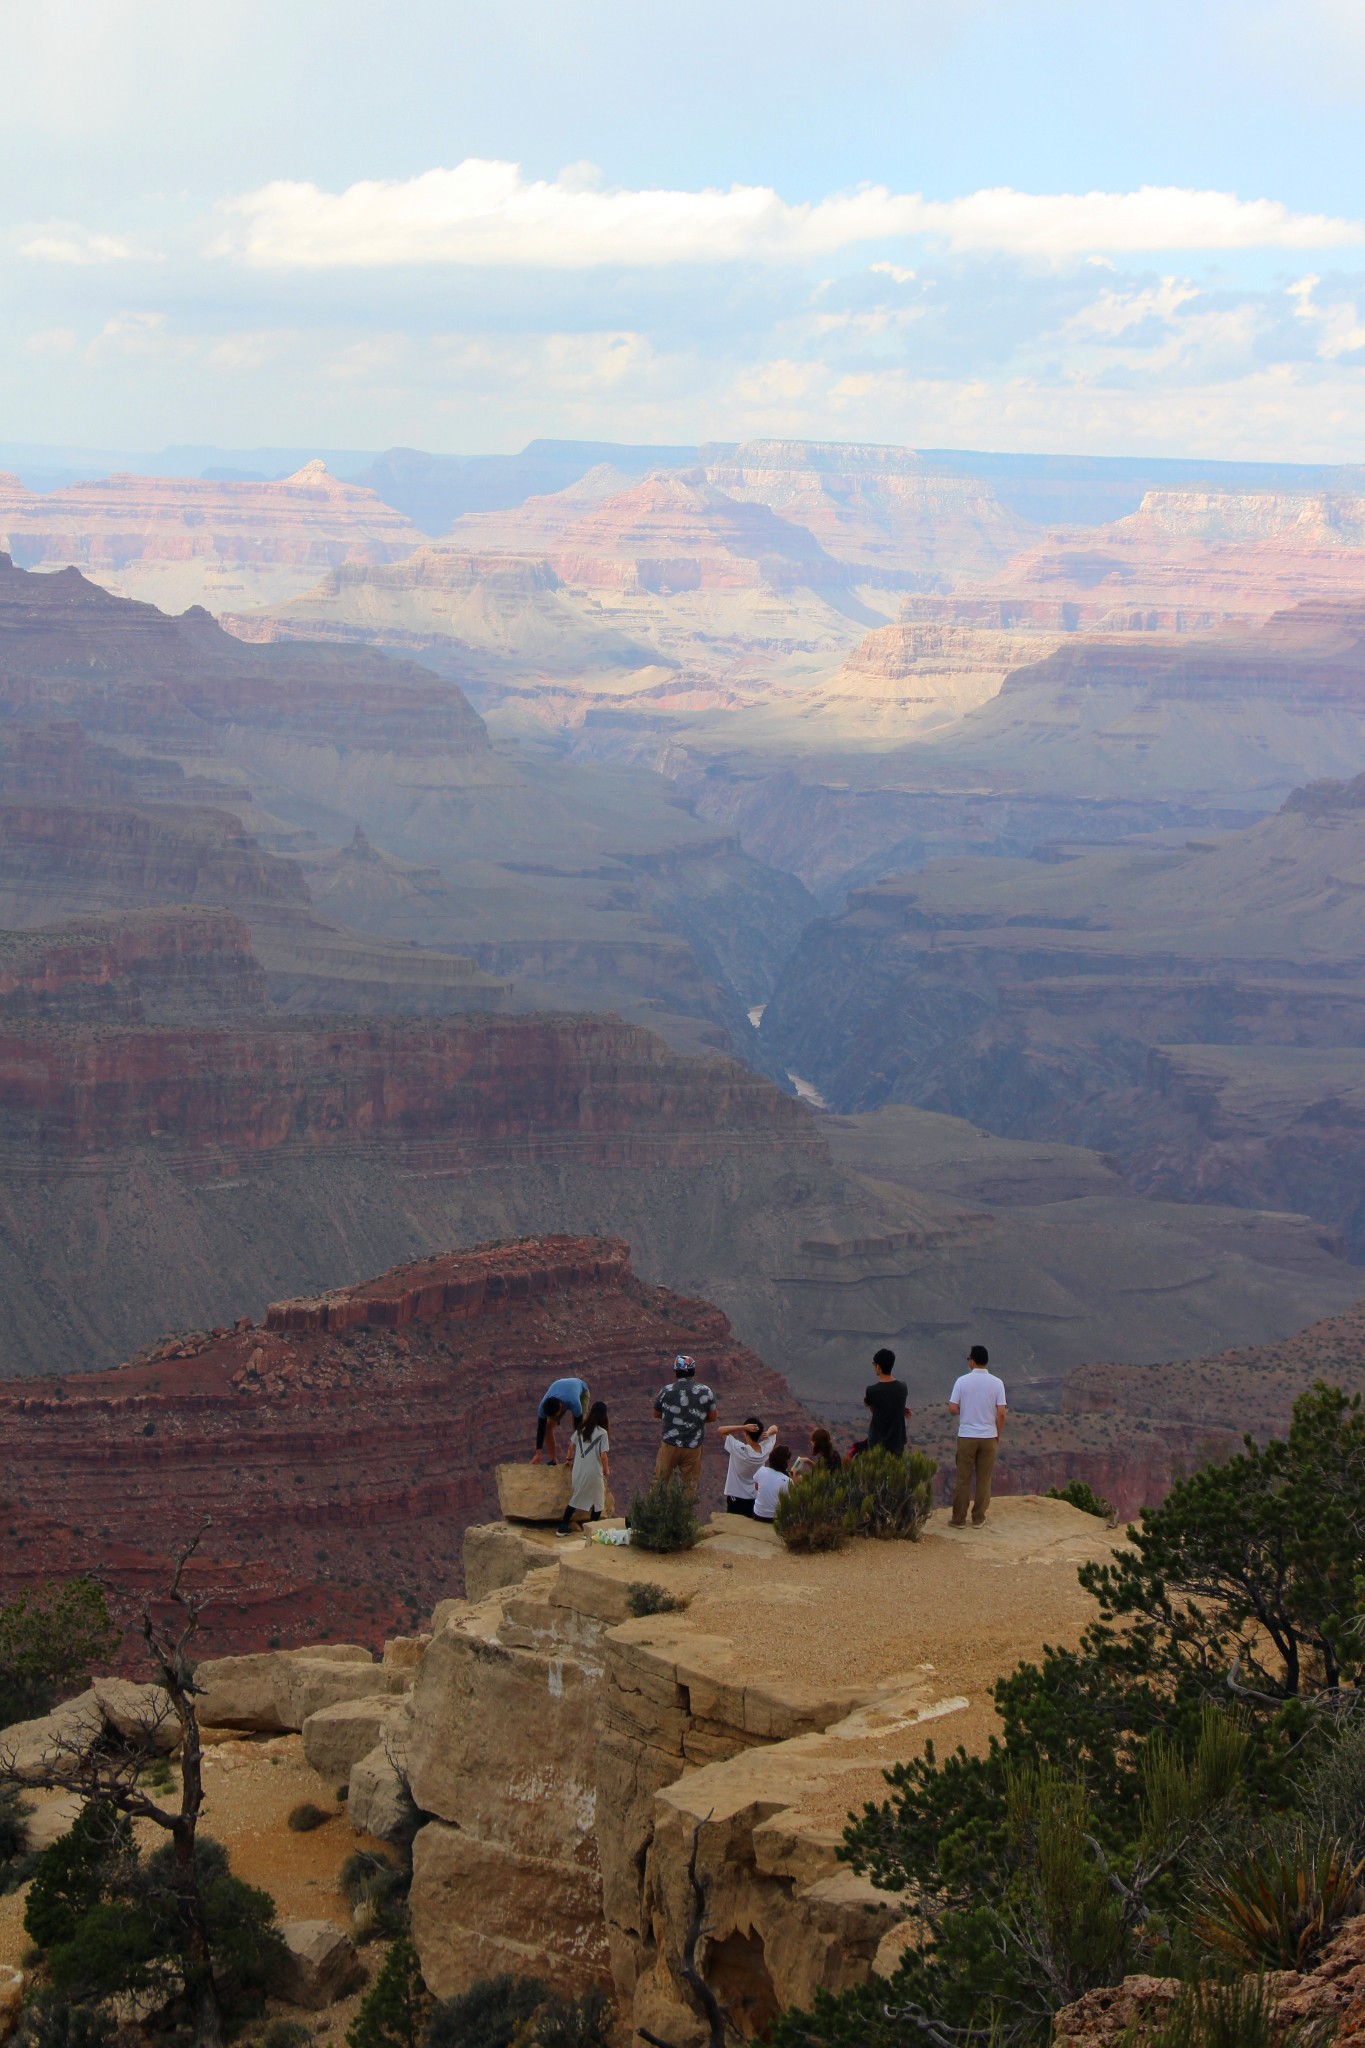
(738, 1507)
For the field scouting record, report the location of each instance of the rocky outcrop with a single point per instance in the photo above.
(590, 1781)
(340, 1448)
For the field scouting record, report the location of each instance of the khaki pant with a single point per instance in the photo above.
(673, 1458)
(975, 1460)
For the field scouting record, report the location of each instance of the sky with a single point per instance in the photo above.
(1026, 225)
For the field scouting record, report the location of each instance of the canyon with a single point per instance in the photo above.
(1193, 1007)
(497, 883)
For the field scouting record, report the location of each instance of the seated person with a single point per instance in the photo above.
(772, 1482)
(823, 1456)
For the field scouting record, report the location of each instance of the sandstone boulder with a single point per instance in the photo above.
(446, 1613)
(320, 1964)
(140, 1714)
(404, 1653)
(11, 2000)
(337, 1737)
(497, 1554)
(380, 1802)
(306, 1687)
(56, 1739)
(274, 1691)
(533, 1493)
(239, 1692)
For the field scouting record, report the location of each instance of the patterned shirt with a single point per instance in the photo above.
(686, 1405)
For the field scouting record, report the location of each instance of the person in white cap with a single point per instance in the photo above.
(684, 1408)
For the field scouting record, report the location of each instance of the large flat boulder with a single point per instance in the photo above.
(320, 1964)
(496, 1554)
(240, 1692)
(274, 1691)
(337, 1737)
(533, 1493)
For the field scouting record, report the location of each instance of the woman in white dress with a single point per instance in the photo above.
(591, 1470)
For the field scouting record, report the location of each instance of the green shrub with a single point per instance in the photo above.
(53, 2022)
(1276, 1905)
(397, 2008)
(1078, 1495)
(74, 1874)
(306, 1816)
(51, 1638)
(643, 1598)
(110, 1923)
(489, 2015)
(286, 2034)
(665, 1518)
(816, 1511)
(890, 1494)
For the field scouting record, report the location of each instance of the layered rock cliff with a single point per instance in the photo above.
(341, 1445)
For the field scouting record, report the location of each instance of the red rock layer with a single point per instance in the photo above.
(110, 968)
(339, 1452)
(460, 1092)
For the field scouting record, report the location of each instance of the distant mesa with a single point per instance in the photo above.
(184, 540)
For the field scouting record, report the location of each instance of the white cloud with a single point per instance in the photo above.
(67, 242)
(1341, 327)
(485, 213)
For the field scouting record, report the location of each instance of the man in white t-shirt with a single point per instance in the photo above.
(978, 1402)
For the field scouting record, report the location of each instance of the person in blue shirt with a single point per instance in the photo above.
(561, 1398)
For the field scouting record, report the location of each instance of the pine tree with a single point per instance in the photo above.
(396, 2011)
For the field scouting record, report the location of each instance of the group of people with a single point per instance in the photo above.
(759, 1469)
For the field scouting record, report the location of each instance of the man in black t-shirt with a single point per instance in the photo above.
(886, 1401)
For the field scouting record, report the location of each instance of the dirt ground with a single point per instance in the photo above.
(252, 1784)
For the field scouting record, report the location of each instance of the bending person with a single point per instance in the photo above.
(561, 1398)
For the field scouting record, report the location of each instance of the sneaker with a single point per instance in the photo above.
(566, 1532)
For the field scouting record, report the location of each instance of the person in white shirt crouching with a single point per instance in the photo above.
(978, 1402)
